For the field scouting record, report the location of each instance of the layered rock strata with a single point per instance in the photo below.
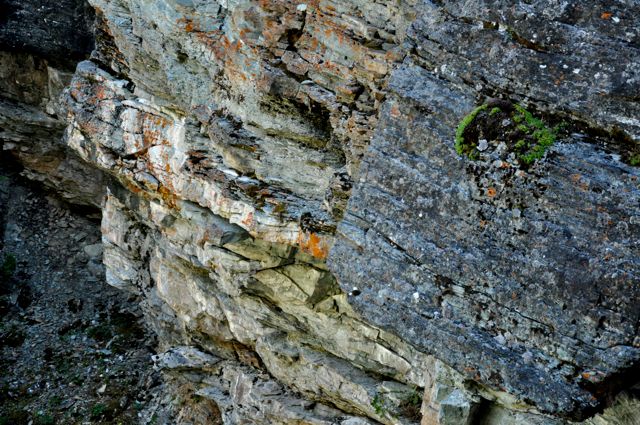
(459, 289)
(528, 274)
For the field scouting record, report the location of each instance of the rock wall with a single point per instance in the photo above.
(311, 238)
(524, 276)
(40, 45)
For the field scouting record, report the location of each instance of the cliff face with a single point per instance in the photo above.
(486, 258)
(519, 268)
(40, 45)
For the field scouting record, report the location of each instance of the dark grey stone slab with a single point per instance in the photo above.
(526, 279)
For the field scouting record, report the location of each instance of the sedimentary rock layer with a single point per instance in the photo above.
(500, 283)
(523, 277)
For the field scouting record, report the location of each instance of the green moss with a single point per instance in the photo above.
(623, 412)
(55, 401)
(14, 416)
(543, 136)
(528, 137)
(98, 410)
(101, 332)
(635, 159)
(460, 146)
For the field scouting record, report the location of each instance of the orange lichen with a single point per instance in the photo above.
(313, 244)
(168, 197)
(491, 192)
(189, 25)
(100, 92)
(151, 130)
(248, 221)
(395, 111)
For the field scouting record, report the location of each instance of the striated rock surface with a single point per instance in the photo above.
(286, 198)
(524, 278)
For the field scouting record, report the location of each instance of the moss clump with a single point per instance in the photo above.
(98, 410)
(635, 159)
(462, 147)
(501, 121)
(623, 412)
(393, 403)
(543, 137)
(100, 332)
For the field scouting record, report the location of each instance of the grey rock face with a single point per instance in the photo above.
(60, 31)
(522, 278)
(268, 315)
(40, 44)
(504, 290)
(32, 125)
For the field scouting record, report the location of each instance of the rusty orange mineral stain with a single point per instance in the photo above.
(100, 92)
(577, 179)
(314, 245)
(189, 26)
(395, 111)
(606, 15)
(249, 220)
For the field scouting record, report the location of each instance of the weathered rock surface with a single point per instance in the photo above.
(233, 131)
(40, 44)
(525, 279)
(60, 32)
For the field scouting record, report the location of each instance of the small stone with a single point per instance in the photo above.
(483, 144)
(93, 251)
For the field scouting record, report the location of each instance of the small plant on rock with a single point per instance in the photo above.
(378, 404)
(499, 121)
